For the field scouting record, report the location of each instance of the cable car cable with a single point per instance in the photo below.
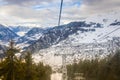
(60, 12)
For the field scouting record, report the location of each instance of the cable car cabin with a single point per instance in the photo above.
(79, 76)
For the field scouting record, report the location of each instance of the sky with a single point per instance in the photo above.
(44, 13)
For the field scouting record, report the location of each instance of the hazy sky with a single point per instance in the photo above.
(45, 12)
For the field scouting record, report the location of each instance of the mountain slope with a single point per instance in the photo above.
(6, 34)
(54, 35)
(30, 37)
(88, 31)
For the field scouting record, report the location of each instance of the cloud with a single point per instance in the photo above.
(26, 2)
(13, 14)
(45, 12)
(101, 5)
(88, 8)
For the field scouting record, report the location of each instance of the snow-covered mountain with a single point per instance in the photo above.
(95, 28)
(30, 37)
(57, 34)
(6, 34)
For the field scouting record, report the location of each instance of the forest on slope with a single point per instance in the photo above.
(104, 69)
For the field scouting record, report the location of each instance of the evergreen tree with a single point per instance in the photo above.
(43, 72)
(9, 67)
(103, 69)
(28, 67)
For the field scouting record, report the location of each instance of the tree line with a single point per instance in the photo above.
(22, 68)
(103, 69)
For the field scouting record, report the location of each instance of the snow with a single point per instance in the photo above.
(47, 58)
(34, 37)
(100, 35)
(4, 43)
(21, 33)
(56, 76)
(22, 45)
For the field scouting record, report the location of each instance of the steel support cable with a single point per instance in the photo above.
(60, 12)
(108, 34)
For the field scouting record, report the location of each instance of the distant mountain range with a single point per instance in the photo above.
(20, 30)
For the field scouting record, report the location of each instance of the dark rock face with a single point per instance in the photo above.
(115, 23)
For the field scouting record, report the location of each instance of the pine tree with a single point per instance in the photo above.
(10, 65)
(43, 72)
(28, 67)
